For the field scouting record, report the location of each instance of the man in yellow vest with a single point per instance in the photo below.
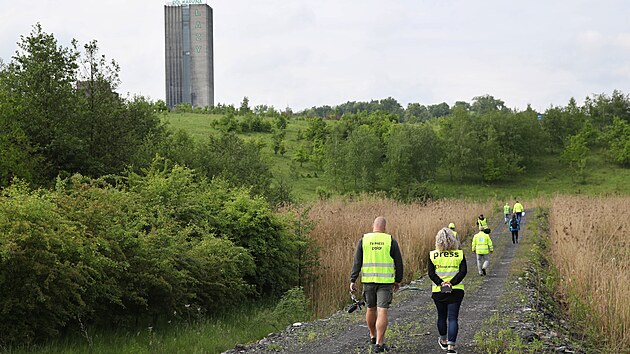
(452, 227)
(482, 246)
(379, 260)
(482, 222)
(518, 210)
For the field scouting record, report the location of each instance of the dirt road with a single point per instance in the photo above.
(412, 327)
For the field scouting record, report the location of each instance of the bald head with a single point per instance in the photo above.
(379, 224)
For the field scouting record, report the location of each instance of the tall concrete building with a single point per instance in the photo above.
(189, 53)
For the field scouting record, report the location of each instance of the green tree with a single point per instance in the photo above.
(363, 160)
(575, 155)
(413, 155)
(244, 108)
(617, 136)
(40, 81)
(486, 104)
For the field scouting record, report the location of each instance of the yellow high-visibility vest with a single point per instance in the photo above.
(506, 209)
(446, 266)
(481, 243)
(378, 264)
(518, 207)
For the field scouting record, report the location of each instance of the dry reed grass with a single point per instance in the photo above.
(590, 246)
(340, 225)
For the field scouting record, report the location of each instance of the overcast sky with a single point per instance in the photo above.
(302, 53)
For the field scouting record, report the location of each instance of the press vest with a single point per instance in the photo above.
(481, 244)
(446, 266)
(378, 264)
(482, 222)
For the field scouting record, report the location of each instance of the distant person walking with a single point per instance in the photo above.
(518, 210)
(506, 212)
(447, 268)
(482, 222)
(482, 246)
(515, 225)
(452, 227)
(379, 259)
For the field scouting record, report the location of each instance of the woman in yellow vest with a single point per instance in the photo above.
(447, 268)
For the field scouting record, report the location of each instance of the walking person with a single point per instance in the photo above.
(447, 269)
(518, 210)
(482, 246)
(482, 222)
(452, 227)
(506, 212)
(515, 225)
(379, 260)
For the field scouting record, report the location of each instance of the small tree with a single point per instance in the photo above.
(575, 154)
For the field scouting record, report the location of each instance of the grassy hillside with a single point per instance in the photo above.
(548, 177)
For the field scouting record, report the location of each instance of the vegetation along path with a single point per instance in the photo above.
(412, 327)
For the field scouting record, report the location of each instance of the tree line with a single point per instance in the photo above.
(381, 150)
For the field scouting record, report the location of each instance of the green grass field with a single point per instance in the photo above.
(548, 177)
(245, 325)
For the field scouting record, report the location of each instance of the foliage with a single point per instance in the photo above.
(575, 155)
(292, 307)
(617, 137)
(412, 155)
(137, 249)
(64, 115)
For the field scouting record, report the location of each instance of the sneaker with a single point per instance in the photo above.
(373, 340)
(451, 351)
(442, 345)
(484, 271)
(379, 348)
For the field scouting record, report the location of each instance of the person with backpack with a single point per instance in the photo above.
(482, 245)
(515, 225)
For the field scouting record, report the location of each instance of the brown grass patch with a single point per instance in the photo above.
(590, 246)
(340, 225)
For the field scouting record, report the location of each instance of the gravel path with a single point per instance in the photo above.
(412, 318)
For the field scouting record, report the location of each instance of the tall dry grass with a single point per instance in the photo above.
(340, 224)
(590, 246)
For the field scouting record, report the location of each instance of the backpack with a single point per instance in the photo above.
(514, 224)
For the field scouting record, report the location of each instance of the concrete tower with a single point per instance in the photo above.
(189, 53)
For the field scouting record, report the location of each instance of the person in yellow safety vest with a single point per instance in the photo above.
(379, 260)
(482, 246)
(518, 210)
(447, 269)
(506, 212)
(482, 222)
(452, 227)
